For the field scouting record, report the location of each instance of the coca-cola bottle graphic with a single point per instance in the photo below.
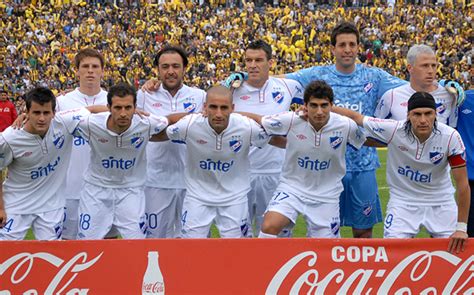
(153, 283)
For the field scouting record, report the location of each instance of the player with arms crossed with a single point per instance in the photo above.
(113, 193)
(164, 186)
(314, 165)
(217, 166)
(421, 153)
(37, 158)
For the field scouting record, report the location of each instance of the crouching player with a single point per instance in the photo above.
(421, 152)
(314, 166)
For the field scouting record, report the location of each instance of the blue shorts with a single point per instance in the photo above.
(359, 202)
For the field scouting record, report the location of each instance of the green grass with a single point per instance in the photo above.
(300, 227)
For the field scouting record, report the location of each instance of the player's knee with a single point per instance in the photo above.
(271, 227)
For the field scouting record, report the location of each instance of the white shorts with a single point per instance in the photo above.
(46, 226)
(163, 212)
(404, 221)
(197, 219)
(100, 208)
(71, 220)
(322, 219)
(262, 188)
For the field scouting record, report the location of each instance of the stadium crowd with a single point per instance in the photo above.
(39, 41)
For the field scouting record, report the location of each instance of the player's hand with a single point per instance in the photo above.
(302, 112)
(142, 113)
(20, 121)
(457, 242)
(235, 80)
(3, 218)
(455, 89)
(151, 85)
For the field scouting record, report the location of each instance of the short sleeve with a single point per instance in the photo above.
(6, 154)
(356, 137)
(157, 124)
(258, 137)
(178, 131)
(381, 130)
(73, 118)
(278, 124)
(385, 103)
(455, 145)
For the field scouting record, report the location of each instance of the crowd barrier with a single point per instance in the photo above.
(236, 266)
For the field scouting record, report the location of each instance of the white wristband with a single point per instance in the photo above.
(461, 226)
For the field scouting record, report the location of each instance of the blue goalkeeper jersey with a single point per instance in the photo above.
(358, 91)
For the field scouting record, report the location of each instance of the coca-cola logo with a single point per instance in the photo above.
(156, 287)
(24, 263)
(417, 265)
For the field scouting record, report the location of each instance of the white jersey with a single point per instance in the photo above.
(315, 162)
(80, 154)
(417, 173)
(118, 160)
(217, 165)
(37, 166)
(274, 97)
(165, 167)
(393, 104)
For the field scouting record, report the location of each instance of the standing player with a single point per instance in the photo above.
(356, 87)
(37, 158)
(465, 124)
(422, 66)
(314, 166)
(113, 192)
(89, 70)
(264, 95)
(7, 111)
(421, 153)
(217, 166)
(164, 187)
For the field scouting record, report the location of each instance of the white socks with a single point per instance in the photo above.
(266, 236)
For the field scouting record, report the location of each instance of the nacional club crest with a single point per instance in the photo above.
(368, 87)
(277, 97)
(58, 140)
(235, 145)
(436, 157)
(189, 107)
(335, 228)
(137, 141)
(440, 108)
(335, 141)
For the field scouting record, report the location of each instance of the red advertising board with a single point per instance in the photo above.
(243, 266)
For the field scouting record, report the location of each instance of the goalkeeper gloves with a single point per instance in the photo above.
(235, 80)
(454, 88)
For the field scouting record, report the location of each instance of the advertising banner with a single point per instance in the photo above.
(236, 266)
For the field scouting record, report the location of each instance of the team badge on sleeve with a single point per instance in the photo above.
(436, 157)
